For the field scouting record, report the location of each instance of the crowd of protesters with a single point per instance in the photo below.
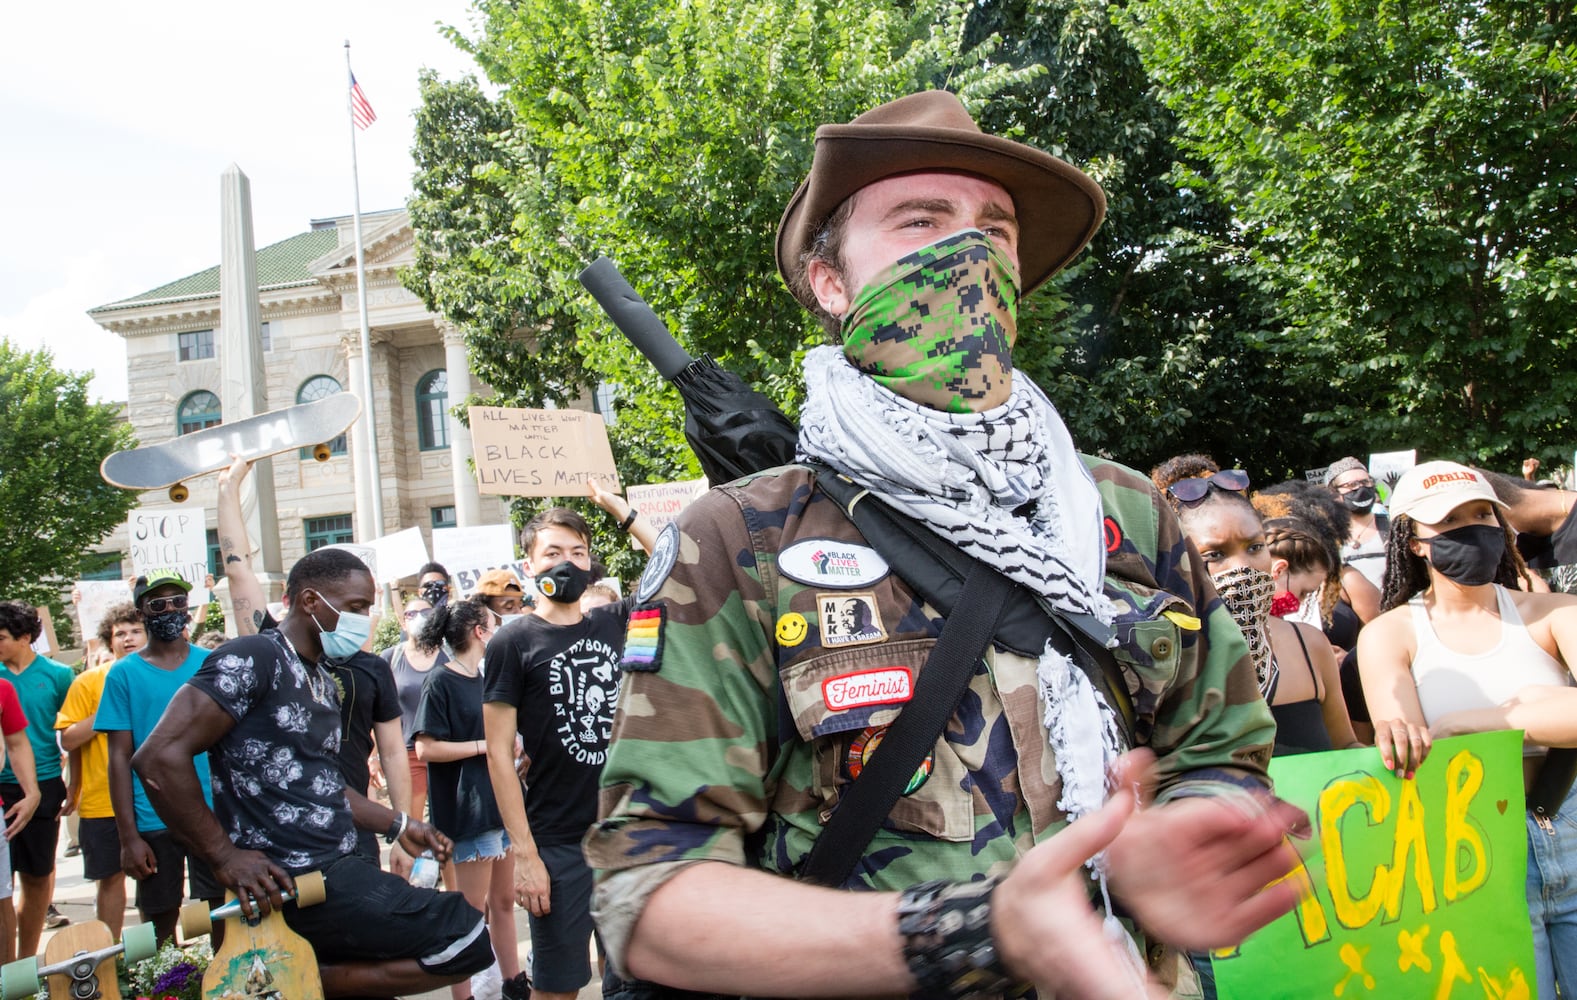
(660, 759)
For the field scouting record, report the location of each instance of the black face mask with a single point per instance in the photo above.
(435, 592)
(1470, 555)
(564, 583)
(168, 626)
(1360, 500)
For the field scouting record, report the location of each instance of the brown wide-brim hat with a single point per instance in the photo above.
(1059, 207)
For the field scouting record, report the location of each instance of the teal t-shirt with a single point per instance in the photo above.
(41, 689)
(136, 694)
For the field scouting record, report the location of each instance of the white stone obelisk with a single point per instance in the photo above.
(244, 385)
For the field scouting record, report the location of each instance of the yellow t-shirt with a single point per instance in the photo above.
(82, 700)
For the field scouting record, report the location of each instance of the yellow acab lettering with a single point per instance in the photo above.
(1464, 838)
(1335, 799)
(1311, 916)
(1409, 837)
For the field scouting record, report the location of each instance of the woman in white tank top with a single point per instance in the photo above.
(1459, 649)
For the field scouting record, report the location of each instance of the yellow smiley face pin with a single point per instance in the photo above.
(792, 629)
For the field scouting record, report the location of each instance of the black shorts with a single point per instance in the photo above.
(100, 843)
(161, 891)
(371, 915)
(33, 850)
(561, 941)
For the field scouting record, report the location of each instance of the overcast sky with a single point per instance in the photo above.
(119, 117)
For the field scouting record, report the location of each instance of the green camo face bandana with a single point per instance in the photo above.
(938, 326)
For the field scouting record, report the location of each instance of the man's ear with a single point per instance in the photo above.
(827, 283)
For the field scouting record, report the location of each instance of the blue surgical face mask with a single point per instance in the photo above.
(348, 635)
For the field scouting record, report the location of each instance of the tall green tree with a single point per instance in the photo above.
(1403, 177)
(1167, 343)
(668, 135)
(54, 505)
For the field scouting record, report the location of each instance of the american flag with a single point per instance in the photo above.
(360, 108)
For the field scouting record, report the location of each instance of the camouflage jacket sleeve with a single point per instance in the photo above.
(713, 668)
(1202, 712)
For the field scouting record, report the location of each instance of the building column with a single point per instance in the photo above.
(350, 343)
(457, 364)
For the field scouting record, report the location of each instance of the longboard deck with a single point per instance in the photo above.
(268, 961)
(201, 452)
(88, 936)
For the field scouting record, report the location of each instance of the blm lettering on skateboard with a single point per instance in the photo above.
(170, 463)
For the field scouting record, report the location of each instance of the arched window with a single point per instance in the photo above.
(316, 388)
(198, 410)
(432, 400)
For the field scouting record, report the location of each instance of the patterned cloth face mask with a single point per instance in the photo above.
(938, 326)
(1248, 592)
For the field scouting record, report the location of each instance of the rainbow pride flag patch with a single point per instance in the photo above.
(643, 638)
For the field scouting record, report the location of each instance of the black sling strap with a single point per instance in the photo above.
(943, 679)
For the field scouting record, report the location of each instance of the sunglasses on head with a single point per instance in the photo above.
(1191, 491)
(159, 605)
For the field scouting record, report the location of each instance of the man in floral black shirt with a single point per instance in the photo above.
(266, 710)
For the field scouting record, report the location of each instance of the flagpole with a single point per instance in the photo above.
(373, 471)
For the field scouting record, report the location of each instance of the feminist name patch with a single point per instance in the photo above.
(882, 686)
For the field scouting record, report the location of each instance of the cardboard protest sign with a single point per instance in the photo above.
(96, 597)
(660, 503)
(467, 553)
(46, 644)
(1412, 888)
(171, 538)
(539, 453)
(400, 554)
(1386, 467)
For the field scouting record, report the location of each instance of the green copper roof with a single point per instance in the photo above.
(279, 265)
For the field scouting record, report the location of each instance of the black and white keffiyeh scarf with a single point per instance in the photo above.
(968, 475)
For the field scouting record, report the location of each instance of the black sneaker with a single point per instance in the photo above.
(54, 918)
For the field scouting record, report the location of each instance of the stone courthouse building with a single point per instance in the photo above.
(311, 348)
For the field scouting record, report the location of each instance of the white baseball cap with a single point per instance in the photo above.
(1428, 492)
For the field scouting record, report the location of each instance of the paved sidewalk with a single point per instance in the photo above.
(74, 898)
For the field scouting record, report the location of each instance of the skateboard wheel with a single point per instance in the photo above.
(141, 941)
(19, 978)
(322, 452)
(196, 921)
(309, 889)
(179, 492)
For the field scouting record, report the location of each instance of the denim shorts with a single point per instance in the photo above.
(489, 846)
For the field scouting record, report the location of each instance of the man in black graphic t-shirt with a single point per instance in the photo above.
(553, 676)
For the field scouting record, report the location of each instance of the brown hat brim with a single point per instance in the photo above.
(1059, 207)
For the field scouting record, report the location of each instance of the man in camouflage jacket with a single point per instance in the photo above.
(771, 645)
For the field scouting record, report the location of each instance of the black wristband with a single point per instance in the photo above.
(395, 829)
(946, 928)
(624, 525)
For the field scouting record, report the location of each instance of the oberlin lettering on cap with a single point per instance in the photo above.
(1440, 478)
(882, 686)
